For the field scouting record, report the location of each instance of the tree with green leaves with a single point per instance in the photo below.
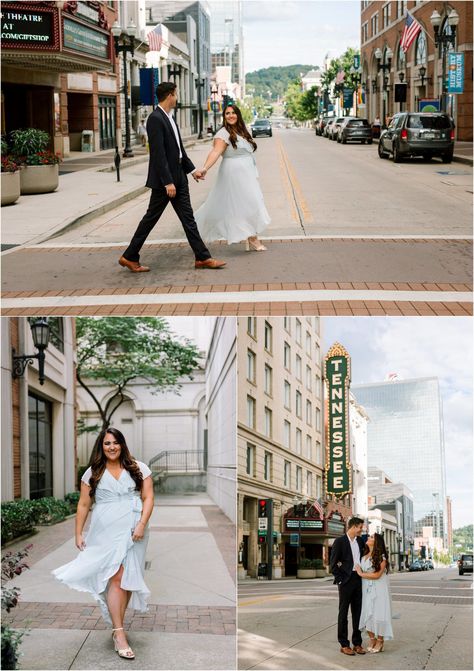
(117, 350)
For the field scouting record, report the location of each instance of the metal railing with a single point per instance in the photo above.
(182, 461)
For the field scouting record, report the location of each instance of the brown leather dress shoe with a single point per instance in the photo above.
(133, 266)
(359, 650)
(210, 263)
(348, 651)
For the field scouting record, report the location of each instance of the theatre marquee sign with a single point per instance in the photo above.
(337, 372)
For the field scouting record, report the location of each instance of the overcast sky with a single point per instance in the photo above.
(421, 347)
(287, 32)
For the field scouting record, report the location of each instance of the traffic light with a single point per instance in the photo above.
(262, 537)
(262, 508)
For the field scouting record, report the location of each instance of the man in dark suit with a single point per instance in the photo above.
(346, 553)
(167, 177)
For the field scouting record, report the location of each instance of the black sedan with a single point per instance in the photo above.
(261, 127)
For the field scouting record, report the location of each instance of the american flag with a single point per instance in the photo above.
(411, 30)
(340, 77)
(155, 38)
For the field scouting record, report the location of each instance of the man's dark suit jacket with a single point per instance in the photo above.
(164, 163)
(342, 562)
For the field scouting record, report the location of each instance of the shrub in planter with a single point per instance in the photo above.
(72, 500)
(40, 173)
(10, 179)
(49, 510)
(28, 141)
(18, 518)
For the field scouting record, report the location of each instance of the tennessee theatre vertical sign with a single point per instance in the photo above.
(337, 371)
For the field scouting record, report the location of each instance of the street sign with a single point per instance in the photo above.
(429, 105)
(348, 98)
(262, 523)
(455, 73)
(357, 61)
(294, 540)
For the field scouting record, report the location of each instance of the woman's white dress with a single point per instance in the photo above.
(109, 543)
(376, 613)
(234, 209)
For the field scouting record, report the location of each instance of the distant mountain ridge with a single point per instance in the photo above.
(275, 79)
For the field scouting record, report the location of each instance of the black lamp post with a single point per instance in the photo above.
(422, 73)
(401, 77)
(356, 79)
(40, 334)
(214, 101)
(443, 41)
(385, 67)
(124, 41)
(200, 82)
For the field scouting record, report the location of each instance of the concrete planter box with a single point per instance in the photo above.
(320, 573)
(306, 573)
(39, 178)
(10, 187)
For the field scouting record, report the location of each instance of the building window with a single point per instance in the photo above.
(298, 441)
(287, 434)
(374, 25)
(268, 422)
(308, 343)
(401, 8)
(250, 412)
(309, 483)
(420, 50)
(319, 487)
(267, 467)
(298, 332)
(287, 324)
(287, 475)
(317, 351)
(309, 378)
(319, 453)
(268, 378)
(251, 358)
(299, 478)
(252, 326)
(268, 338)
(250, 466)
(287, 395)
(298, 367)
(287, 356)
(386, 15)
(401, 59)
(40, 441)
(309, 448)
(318, 419)
(365, 32)
(299, 404)
(309, 413)
(107, 112)
(317, 390)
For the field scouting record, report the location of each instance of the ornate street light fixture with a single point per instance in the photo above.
(443, 41)
(124, 41)
(385, 67)
(422, 73)
(40, 333)
(214, 103)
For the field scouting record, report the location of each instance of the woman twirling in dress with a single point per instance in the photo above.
(376, 614)
(111, 561)
(234, 209)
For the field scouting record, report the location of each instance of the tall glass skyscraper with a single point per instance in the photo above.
(406, 440)
(227, 38)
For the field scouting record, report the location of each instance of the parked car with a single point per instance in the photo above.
(320, 124)
(261, 127)
(465, 564)
(334, 127)
(416, 566)
(418, 134)
(429, 564)
(328, 125)
(355, 129)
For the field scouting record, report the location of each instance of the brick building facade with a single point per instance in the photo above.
(382, 25)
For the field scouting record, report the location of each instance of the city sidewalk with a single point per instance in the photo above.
(190, 571)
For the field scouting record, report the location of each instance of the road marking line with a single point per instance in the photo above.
(291, 296)
(304, 213)
(286, 181)
(261, 600)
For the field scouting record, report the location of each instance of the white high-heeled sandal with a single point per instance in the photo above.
(125, 653)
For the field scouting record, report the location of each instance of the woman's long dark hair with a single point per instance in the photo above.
(379, 552)
(238, 128)
(98, 460)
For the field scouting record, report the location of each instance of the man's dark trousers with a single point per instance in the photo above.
(182, 206)
(350, 594)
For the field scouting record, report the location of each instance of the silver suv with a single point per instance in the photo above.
(418, 134)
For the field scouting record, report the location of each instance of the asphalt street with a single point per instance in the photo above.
(370, 235)
(292, 624)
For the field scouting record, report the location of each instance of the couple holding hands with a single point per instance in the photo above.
(234, 210)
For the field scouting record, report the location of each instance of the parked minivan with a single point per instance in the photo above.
(425, 134)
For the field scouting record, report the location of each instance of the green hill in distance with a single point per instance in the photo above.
(271, 83)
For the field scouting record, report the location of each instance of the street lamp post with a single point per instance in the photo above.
(401, 77)
(200, 82)
(214, 94)
(40, 333)
(124, 41)
(356, 79)
(385, 67)
(443, 41)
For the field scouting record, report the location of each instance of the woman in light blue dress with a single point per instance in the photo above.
(234, 209)
(376, 614)
(111, 561)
